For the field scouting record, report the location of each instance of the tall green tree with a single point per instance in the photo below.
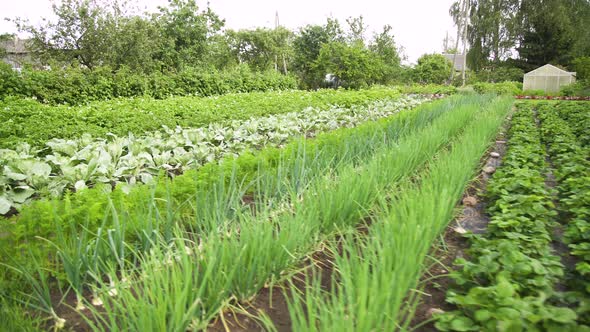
(262, 48)
(353, 65)
(186, 33)
(528, 33)
(82, 32)
(307, 45)
(492, 32)
(547, 33)
(432, 68)
(385, 49)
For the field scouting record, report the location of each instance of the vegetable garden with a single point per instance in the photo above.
(131, 227)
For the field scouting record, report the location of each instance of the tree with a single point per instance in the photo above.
(262, 48)
(432, 68)
(82, 33)
(105, 33)
(307, 45)
(385, 48)
(548, 34)
(4, 38)
(493, 31)
(357, 29)
(353, 65)
(532, 32)
(186, 33)
(135, 45)
(580, 14)
(581, 66)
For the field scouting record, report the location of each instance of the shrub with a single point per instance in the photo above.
(511, 88)
(74, 85)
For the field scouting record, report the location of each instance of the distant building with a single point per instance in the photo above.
(548, 78)
(16, 52)
(458, 58)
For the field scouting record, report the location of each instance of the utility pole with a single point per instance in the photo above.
(276, 29)
(460, 26)
(465, 17)
(282, 54)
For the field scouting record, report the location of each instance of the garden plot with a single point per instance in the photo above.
(514, 277)
(149, 251)
(76, 164)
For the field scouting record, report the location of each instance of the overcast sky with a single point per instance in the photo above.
(418, 25)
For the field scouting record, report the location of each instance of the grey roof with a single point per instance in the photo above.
(15, 46)
(458, 60)
(549, 70)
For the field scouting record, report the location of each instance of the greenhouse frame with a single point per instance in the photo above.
(548, 78)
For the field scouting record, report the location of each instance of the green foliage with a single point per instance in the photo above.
(500, 74)
(75, 85)
(353, 65)
(199, 197)
(432, 69)
(29, 121)
(262, 49)
(13, 317)
(579, 88)
(547, 32)
(385, 48)
(185, 33)
(409, 216)
(581, 66)
(307, 45)
(508, 282)
(577, 116)
(542, 32)
(78, 163)
(569, 155)
(491, 32)
(510, 88)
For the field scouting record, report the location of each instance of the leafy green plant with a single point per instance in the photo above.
(508, 282)
(77, 164)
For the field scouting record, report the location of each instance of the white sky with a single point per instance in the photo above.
(418, 25)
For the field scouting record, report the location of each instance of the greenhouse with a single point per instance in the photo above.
(548, 78)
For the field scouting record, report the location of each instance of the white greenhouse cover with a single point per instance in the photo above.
(548, 78)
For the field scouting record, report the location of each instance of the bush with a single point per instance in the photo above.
(510, 88)
(432, 68)
(75, 85)
(579, 89)
(581, 66)
(500, 74)
(537, 93)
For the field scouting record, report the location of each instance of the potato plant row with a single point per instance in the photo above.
(577, 116)
(180, 251)
(27, 120)
(572, 171)
(508, 281)
(75, 164)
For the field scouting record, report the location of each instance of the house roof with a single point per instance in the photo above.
(15, 46)
(549, 70)
(458, 60)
